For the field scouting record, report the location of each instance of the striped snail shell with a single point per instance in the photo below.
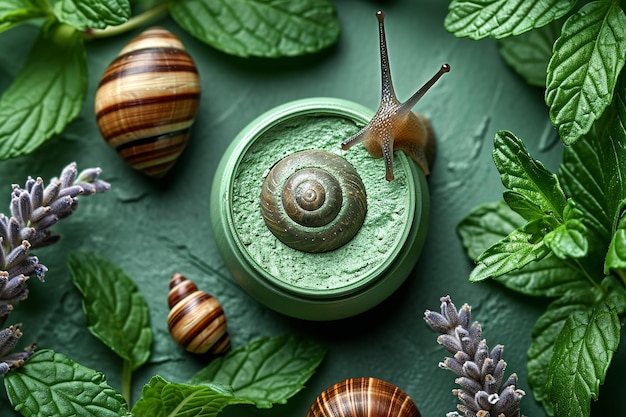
(313, 201)
(363, 397)
(196, 320)
(147, 101)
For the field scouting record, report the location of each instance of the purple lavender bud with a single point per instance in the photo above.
(8, 339)
(101, 186)
(498, 371)
(25, 207)
(451, 343)
(453, 365)
(471, 370)
(4, 227)
(448, 310)
(30, 182)
(39, 213)
(89, 175)
(36, 194)
(437, 321)
(61, 204)
(47, 221)
(4, 368)
(469, 384)
(15, 209)
(511, 381)
(17, 255)
(68, 175)
(487, 367)
(51, 191)
(465, 316)
(484, 400)
(15, 235)
(26, 267)
(72, 191)
(15, 289)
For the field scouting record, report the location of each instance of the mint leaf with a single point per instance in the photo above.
(478, 19)
(527, 176)
(515, 251)
(267, 371)
(569, 240)
(93, 14)
(51, 384)
(116, 311)
(582, 73)
(14, 12)
(486, 225)
(593, 172)
(160, 398)
(529, 54)
(264, 28)
(545, 332)
(616, 256)
(582, 353)
(47, 93)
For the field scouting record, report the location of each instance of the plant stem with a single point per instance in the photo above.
(132, 23)
(127, 376)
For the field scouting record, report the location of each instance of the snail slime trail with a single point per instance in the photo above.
(346, 265)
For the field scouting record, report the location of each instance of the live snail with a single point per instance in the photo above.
(196, 320)
(363, 397)
(313, 201)
(147, 101)
(395, 126)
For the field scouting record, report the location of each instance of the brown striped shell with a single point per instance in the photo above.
(196, 320)
(313, 201)
(363, 397)
(147, 101)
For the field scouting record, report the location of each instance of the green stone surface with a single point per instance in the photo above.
(382, 231)
(153, 228)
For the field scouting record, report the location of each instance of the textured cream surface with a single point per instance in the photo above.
(374, 243)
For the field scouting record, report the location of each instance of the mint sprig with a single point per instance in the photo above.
(580, 65)
(562, 236)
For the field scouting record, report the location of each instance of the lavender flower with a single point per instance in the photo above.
(34, 209)
(484, 391)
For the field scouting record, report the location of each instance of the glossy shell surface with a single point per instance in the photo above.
(313, 201)
(363, 397)
(147, 101)
(196, 320)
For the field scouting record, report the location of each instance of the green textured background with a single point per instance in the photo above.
(151, 229)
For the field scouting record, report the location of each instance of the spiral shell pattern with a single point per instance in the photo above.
(363, 397)
(196, 320)
(147, 101)
(313, 201)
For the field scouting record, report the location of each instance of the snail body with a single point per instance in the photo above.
(313, 201)
(147, 101)
(196, 320)
(395, 126)
(363, 397)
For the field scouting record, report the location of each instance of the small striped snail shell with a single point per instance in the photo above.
(363, 397)
(196, 320)
(395, 126)
(147, 101)
(313, 201)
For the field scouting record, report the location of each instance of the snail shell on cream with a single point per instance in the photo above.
(147, 101)
(313, 201)
(395, 126)
(363, 397)
(196, 320)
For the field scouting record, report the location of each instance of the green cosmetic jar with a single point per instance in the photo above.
(333, 284)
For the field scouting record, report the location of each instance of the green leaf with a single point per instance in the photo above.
(51, 384)
(92, 14)
(515, 251)
(593, 172)
(569, 240)
(529, 54)
(486, 225)
(582, 73)
(582, 354)
(160, 398)
(616, 256)
(47, 93)
(265, 28)
(267, 371)
(545, 332)
(527, 176)
(478, 19)
(523, 206)
(116, 311)
(14, 12)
